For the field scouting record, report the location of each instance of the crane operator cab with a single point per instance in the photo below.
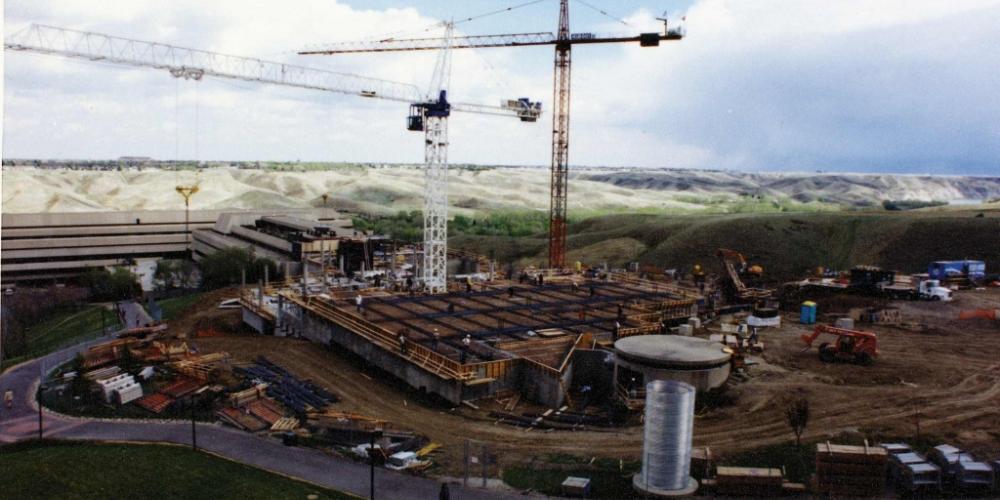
(440, 108)
(527, 110)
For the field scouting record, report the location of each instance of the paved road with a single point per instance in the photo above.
(21, 422)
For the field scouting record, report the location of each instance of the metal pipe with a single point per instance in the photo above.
(669, 425)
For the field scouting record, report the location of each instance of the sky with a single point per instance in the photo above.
(896, 86)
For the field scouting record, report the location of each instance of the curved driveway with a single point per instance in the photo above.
(21, 422)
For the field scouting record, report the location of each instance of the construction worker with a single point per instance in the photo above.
(753, 337)
(541, 279)
(614, 334)
(437, 338)
(402, 343)
(510, 292)
(358, 301)
(576, 287)
(466, 342)
(468, 284)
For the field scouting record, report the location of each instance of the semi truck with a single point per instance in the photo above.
(867, 280)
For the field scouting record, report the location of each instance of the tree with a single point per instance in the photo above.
(225, 267)
(119, 284)
(797, 416)
(172, 274)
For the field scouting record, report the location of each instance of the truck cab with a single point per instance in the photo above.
(932, 290)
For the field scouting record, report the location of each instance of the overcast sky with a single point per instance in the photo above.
(764, 85)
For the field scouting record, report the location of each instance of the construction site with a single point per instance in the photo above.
(562, 377)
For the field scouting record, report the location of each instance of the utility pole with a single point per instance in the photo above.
(371, 457)
(194, 428)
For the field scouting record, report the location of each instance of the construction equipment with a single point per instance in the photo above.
(563, 41)
(428, 112)
(735, 265)
(851, 345)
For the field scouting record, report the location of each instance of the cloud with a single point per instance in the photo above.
(766, 85)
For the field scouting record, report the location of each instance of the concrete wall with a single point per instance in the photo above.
(540, 386)
(701, 379)
(306, 325)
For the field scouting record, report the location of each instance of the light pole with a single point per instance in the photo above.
(371, 457)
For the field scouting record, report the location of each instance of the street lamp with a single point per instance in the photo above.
(372, 436)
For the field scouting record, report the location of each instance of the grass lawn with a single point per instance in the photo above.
(608, 477)
(68, 470)
(64, 328)
(172, 307)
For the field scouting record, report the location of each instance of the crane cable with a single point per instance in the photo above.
(430, 27)
(604, 13)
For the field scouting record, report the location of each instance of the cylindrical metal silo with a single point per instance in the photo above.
(669, 425)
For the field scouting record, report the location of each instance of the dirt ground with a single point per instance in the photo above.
(946, 379)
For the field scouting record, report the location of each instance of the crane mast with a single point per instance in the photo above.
(428, 114)
(560, 143)
(563, 40)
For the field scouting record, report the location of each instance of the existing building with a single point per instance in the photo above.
(46, 247)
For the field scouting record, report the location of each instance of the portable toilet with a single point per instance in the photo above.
(808, 314)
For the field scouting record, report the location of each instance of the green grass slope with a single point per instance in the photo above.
(68, 470)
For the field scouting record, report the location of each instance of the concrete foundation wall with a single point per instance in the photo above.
(540, 386)
(703, 379)
(256, 322)
(304, 324)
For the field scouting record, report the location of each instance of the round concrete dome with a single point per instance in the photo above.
(671, 351)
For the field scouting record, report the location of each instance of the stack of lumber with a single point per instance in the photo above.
(241, 420)
(155, 402)
(285, 424)
(339, 420)
(241, 398)
(181, 387)
(102, 373)
(748, 481)
(844, 470)
(265, 410)
(201, 367)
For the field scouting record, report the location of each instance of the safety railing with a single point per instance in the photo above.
(415, 353)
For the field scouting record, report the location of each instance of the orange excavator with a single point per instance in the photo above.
(851, 345)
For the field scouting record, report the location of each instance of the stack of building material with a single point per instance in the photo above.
(896, 448)
(241, 420)
(202, 367)
(106, 353)
(850, 470)
(102, 373)
(155, 402)
(181, 387)
(748, 481)
(285, 424)
(128, 392)
(241, 398)
(108, 386)
(265, 410)
(298, 395)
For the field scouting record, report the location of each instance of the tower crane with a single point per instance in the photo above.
(563, 41)
(428, 113)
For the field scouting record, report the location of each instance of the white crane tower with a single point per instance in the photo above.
(428, 113)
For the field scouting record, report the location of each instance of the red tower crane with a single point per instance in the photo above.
(563, 41)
